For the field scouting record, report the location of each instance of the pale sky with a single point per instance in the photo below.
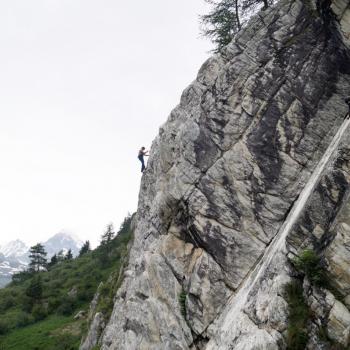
(84, 84)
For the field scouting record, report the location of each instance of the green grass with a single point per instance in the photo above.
(24, 318)
(48, 334)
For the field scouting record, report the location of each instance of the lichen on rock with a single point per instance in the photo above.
(224, 172)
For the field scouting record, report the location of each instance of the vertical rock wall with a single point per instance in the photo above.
(223, 174)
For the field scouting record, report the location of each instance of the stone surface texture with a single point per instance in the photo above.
(224, 172)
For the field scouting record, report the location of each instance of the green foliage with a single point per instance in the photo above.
(69, 255)
(182, 302)
(21, 276)
(4, 327)
(44, 335)
(53, 261)
(310, 264)
(297, 335)
(108, 235)
(67, 305)
(110, 287)
(85, 248)
(24, 319)
(7, 301)
(224, 19)
(37, 256)
(222, 22)
(35, 289)
(67, 287)
(66, 342)
(39, 312)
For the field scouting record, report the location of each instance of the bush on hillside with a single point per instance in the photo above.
(4, 327)
(33, 297)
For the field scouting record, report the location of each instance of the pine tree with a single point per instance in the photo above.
(125, 225)
(224, 19)
(37, 256)
(69, 255)
(106, 246)
(222, 22)
(85, 248)
(53, 261)
(60, 255)
(108, 235)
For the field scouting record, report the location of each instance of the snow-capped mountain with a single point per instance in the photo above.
(62, 241)
(14, 249)
(14, 256)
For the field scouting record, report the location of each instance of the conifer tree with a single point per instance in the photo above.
(60, 255)
(108, 235)
(106, 246)
(53, 261)
(125, 225)
(85, 248)
(224, 19)
(37, 256)
(222, 22)
(69, 255)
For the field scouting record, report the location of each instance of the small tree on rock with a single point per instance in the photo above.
(224, 19)
(222, 22)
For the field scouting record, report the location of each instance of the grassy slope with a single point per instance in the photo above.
(58, 330)
(50, 334)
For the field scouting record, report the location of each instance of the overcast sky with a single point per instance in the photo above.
(84, 84)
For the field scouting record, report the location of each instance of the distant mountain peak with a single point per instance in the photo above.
(63, 240)
(14, 256)
(15, 248)
(64, 234)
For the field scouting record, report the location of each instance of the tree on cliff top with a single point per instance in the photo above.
(224, 19)
(221, 23)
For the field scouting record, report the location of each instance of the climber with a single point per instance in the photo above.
(142, 153)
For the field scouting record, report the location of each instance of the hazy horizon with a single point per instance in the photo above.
(84, 85)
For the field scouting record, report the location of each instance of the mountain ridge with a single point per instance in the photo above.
(14, 255)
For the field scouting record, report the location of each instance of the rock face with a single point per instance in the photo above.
(224, 172)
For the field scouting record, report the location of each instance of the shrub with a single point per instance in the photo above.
(309, 263)
(24, 319)
(39, 312)
(182, 302)
(6, 302)
(298, 315)
(67, 306)
(66, 342)
(4, 327)
(53, 303)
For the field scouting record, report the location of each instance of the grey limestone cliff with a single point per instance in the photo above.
(224, 173)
